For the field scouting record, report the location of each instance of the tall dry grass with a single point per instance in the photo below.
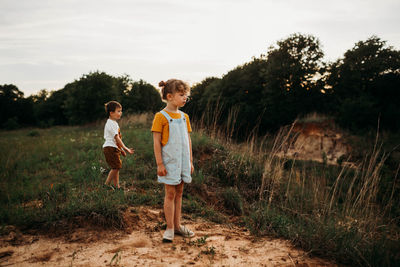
(335, 211)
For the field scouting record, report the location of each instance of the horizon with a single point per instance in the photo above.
(45, 45)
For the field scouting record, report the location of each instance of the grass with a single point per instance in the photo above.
(54, 174)
(346, 214)
(349, 215)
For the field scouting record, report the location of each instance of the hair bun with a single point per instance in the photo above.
(162, 84)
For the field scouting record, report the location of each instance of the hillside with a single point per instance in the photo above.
(318, 141)
(241, 202)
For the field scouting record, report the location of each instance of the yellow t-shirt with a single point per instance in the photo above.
(161, 125)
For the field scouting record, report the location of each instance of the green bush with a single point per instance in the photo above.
(11, 124)
(232, 201)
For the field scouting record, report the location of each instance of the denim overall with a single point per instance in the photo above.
(176, 153)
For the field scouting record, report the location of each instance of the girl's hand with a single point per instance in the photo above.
(191, 168)
(130, 150)
(123, 153)
(161, 170)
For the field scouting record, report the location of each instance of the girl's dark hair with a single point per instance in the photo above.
(111, 106)
(172, 86)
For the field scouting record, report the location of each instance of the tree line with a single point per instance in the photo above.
(79, 102)
(289, 81)
(292, 80)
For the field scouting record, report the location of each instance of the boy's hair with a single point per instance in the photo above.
(111, 106)
(172, 86)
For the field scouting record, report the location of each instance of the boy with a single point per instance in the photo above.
(113, 146)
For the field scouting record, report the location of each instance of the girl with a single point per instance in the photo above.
(173, 153)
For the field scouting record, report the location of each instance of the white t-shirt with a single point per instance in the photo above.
(110, 130)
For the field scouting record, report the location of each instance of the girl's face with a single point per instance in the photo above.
(178, 99)
(116, 115)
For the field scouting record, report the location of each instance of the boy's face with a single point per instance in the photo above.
(116, 115)
(179, 99)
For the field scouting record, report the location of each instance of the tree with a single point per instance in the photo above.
(366, 85)
(268, 92)
(85, 98)
(15, 110)
(291, 75)
(49, 108)
(198, 97)
(141, 97)
(241, 94)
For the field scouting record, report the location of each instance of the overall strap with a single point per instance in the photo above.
(166, 115)
(183, 117)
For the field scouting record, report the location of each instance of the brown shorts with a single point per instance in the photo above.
(113, 158)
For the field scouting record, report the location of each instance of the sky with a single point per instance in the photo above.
(45, 44)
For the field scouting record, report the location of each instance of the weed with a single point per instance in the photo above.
(73, 258)
(210, 251)
(116, 259)
(199, 241)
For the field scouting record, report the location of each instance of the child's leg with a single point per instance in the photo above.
(178, 205)
(180, 229)
(113, 175)
(109, 177)
(169, 205)
(116, 178)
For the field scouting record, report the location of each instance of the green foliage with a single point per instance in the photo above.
(199, 94)
(233, 201)
(267, 92)
(11, 124)
(49, 179)
(365, 84)
(79, 102)
(290, 88)
(85, 98)
(235, 170)
(330, 238)
(57, 175)
(54, 174)
(15, 110)
(199, 241)
(141, 97)
(196, 207)
(292, 80)
(262, 95)
(49, 108)
(33, 133)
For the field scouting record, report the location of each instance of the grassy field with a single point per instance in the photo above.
(56, 175)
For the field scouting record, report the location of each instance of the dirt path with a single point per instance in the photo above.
(213, 245)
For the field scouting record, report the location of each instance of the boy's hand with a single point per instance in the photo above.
(191, 168)
(161, 170)
(123, 153)
(130, 150)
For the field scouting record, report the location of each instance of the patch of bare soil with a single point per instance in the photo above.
(141, 245)
(318, 142)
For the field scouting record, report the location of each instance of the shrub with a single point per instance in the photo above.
(233, 201)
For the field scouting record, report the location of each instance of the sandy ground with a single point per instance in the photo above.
(141, 245)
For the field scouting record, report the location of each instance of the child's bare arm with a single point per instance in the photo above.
(122, 145)
(161, 171)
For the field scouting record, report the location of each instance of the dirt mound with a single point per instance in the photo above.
(318, 141)
(213, 245)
